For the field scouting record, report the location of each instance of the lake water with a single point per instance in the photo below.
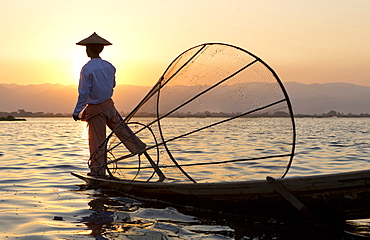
(39, 199)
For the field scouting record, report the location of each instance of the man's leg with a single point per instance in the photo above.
(97, 134)
(130, 140)
(124, 133)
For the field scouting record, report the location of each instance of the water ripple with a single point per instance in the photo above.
(38, 155)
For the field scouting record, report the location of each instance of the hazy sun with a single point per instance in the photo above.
(79, 60)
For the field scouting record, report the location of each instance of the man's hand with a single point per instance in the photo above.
(76, 117)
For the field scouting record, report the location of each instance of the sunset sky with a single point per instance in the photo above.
(307, 41)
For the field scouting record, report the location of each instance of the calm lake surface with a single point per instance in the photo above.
(39, 199)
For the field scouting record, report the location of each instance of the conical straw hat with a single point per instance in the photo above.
(94, 39)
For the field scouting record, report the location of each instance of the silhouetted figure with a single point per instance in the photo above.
(95, 105)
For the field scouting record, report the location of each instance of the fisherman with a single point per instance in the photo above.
(95, 105)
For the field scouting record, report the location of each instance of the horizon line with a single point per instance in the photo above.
(67, 85)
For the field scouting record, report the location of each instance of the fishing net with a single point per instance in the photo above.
(218, 113)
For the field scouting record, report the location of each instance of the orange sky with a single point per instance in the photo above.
(311, 41)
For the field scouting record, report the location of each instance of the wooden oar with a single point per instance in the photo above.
(156, 168)
(292, 199)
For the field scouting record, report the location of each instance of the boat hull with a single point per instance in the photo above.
(331, 197)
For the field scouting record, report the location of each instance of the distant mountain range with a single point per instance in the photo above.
(321, 98)
(306, 99)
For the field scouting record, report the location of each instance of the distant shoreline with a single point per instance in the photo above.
(330, 114)
(295, 116)
(11, 118)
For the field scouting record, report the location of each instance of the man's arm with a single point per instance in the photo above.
(84, 88)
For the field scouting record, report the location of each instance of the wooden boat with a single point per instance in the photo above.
(339, 197)
(253, 116)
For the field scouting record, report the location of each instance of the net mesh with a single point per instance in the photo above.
(218, 113)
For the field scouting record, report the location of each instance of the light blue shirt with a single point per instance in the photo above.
(97, 80)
